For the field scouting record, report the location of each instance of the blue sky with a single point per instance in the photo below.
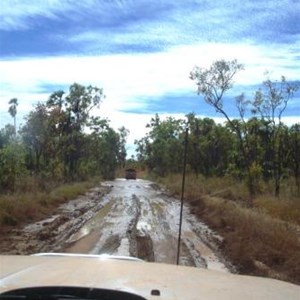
(141, 52)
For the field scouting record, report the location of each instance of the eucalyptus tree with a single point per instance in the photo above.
(162, 148)
(103, 148)
(122, 153)
(54, 133)
(70, 117)
(270, 102)
(36, 137)
(212, 84)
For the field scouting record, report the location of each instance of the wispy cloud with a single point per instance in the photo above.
(57, 27)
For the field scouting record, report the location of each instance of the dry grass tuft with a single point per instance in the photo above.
(282, 209)
(19, 208)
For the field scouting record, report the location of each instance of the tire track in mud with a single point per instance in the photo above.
(106, 233)
(141, 244)
(140, 220)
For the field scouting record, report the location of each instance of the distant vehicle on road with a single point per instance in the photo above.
(130, 173)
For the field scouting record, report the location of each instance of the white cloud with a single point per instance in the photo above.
(130, 76)
(18, 14)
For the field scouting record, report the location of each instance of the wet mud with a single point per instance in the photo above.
(122, 217)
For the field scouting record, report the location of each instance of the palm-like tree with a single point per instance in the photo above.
(13, 110)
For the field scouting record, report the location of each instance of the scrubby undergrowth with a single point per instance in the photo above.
(263, 239)
(23, 207)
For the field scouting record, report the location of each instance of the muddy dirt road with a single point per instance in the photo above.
(122, 217)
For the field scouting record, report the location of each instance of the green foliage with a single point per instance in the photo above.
(12, 166)
(13, 107)
(162, 148)
(61, 141)
(212, 83)
(67, 118)
(269, 103)
(6, 135)
(215, 150)
(123, 133)
(294, 146)
(210, 146)
(58, 144)
(104, 145)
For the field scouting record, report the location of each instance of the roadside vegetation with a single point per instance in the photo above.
(57, 154)
(243, 176)
(259, 148)
(21, 208)
(262, 240)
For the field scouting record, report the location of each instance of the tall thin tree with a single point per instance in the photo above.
(13, 111)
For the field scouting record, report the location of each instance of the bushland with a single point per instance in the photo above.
(261, 239)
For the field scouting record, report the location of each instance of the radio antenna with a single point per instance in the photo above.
(182, 191)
